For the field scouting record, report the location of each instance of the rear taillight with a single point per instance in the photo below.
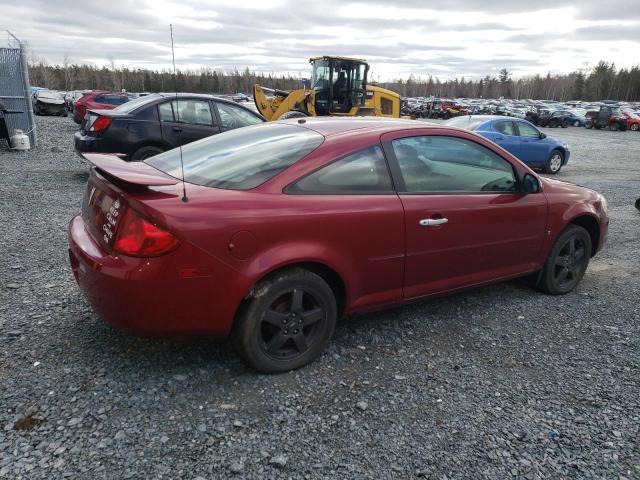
(140, 238)
(100, 123)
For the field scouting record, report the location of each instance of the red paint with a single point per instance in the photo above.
(229, 240)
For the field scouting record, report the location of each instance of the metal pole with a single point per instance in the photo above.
(27, 95)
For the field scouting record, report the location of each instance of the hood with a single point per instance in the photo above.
(50, 97)
(552, 185)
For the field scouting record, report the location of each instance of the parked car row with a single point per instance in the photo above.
(541, 113)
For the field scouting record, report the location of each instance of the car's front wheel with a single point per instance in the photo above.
(286, 322)
(554, 163)
(635, 127)
(567, 261)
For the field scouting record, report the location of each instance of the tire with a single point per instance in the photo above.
(262, 334)
(567, 261)
(553, 124)
(292, 114)
(554, 163)
(145, 152)
(614, 126)
(565, 123)
(576, 123)
(588, 124)
(634, 127)
(638, 204)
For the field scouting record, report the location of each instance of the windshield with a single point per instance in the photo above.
(321, 75)
(468, 123)
(239, 159)
(131, 105)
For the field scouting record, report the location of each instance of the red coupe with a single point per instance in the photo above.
(282, 228)
(97, 100)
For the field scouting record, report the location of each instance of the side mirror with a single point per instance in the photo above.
(542, 135)
(530, 184)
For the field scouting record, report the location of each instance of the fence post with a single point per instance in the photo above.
(27, 94)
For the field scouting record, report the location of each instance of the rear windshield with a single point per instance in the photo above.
(240, 159)
(131, 105)
(468, 123)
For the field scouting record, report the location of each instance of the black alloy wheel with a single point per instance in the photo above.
(567, 261)
(290, 325)
(286, 321)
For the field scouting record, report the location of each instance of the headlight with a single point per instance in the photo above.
(604, 205)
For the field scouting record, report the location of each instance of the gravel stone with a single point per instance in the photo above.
(566, 367)
(278, 461)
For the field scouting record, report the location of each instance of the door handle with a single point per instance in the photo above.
(431, 222)
(177, 129)
(499, 137)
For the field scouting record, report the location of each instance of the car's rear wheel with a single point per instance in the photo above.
(286, 323)
(554, 163)
(146, 152)
(567, 261)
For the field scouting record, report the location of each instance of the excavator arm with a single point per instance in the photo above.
(283, 101)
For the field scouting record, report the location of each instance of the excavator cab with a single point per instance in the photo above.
(339, 83)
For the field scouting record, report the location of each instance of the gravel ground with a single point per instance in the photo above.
(496, 382)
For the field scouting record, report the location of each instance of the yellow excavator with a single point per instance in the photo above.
(338, 87)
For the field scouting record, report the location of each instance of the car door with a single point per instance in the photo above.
(533, 146)
(185, 120)
(465, 221)
(504, 133)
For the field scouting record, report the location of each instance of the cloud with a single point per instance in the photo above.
(461, 37)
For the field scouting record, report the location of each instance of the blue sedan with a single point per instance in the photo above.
(520, 138)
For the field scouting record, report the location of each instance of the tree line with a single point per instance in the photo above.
(602, 82)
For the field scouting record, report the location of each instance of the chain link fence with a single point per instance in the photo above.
(15, 92)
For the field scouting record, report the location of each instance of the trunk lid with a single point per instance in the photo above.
(105, 198)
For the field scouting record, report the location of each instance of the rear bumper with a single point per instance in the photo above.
(156, 296)
(86, 143)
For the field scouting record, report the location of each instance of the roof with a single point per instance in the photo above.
(328, 126)
(345, 59)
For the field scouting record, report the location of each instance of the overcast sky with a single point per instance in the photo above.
(445, 39)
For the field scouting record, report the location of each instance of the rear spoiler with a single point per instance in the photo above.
(133, 173)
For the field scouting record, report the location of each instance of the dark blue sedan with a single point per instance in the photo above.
(520, 138)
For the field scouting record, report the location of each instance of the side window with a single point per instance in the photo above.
(166, 112)
(386, 106)
(506, 128)
(362, 172)
(193, 111)
(235, 117)
(527, 130)
(438, 164)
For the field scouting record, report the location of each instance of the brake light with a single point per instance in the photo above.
(140, 238)
(101, 123)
